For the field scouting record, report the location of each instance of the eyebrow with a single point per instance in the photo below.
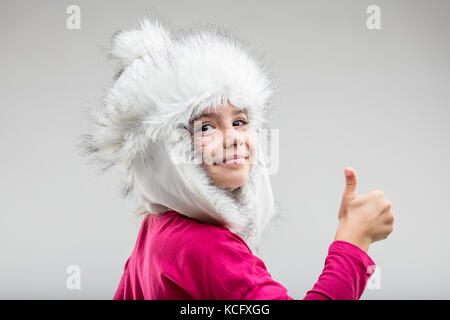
(213, 114)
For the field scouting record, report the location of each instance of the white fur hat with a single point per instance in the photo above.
(164, 81)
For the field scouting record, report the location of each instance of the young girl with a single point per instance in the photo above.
(183, 122)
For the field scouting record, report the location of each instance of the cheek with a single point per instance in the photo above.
(251, 145)
(208, 146)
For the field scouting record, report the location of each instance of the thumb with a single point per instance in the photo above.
(351, 181)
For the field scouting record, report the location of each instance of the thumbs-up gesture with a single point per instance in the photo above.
(363, 219)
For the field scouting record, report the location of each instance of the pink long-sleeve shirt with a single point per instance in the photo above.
(176, 257)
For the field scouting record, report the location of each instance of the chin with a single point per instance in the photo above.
(229, 180)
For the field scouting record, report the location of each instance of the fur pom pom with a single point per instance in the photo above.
(129, 45)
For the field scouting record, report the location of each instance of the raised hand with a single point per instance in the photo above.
(363, 219)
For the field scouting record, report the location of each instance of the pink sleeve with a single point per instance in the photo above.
(345, 274)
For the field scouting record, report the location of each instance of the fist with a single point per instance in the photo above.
(366, 218)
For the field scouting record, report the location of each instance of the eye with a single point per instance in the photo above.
(205, 126)
(241, 121)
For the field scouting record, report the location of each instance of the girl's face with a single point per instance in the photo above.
(227, 145)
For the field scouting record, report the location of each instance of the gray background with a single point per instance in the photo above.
(347, 96)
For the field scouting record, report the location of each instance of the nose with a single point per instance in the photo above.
(232, 138)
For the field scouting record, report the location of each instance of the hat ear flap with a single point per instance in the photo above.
(129, 45)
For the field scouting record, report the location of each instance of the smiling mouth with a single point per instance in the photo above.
(233, 162)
